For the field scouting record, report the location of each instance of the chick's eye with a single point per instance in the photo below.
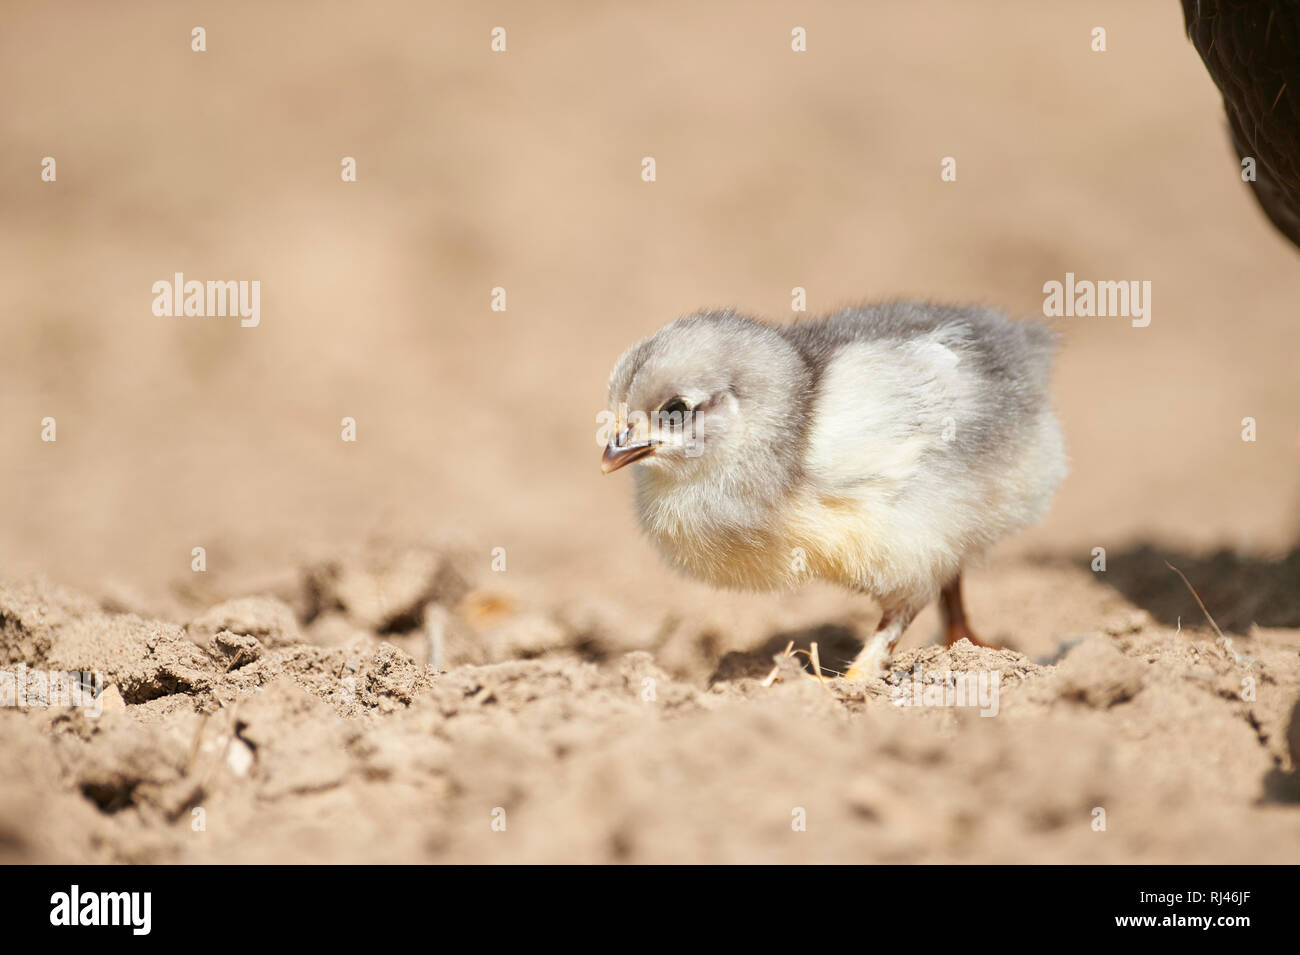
(675, 406)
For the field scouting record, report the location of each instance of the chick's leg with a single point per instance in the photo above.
(954, 616)
(873, 661)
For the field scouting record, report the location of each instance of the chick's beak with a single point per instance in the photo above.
(619, 453)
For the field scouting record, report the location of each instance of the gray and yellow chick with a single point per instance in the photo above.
(882, 448)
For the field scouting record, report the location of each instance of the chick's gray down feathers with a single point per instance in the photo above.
(882, 447)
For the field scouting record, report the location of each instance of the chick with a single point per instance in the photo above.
(882, 448)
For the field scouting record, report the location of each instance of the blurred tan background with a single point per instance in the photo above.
(522, 170)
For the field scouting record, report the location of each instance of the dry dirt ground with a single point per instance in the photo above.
(586, 699)
(310, 726)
